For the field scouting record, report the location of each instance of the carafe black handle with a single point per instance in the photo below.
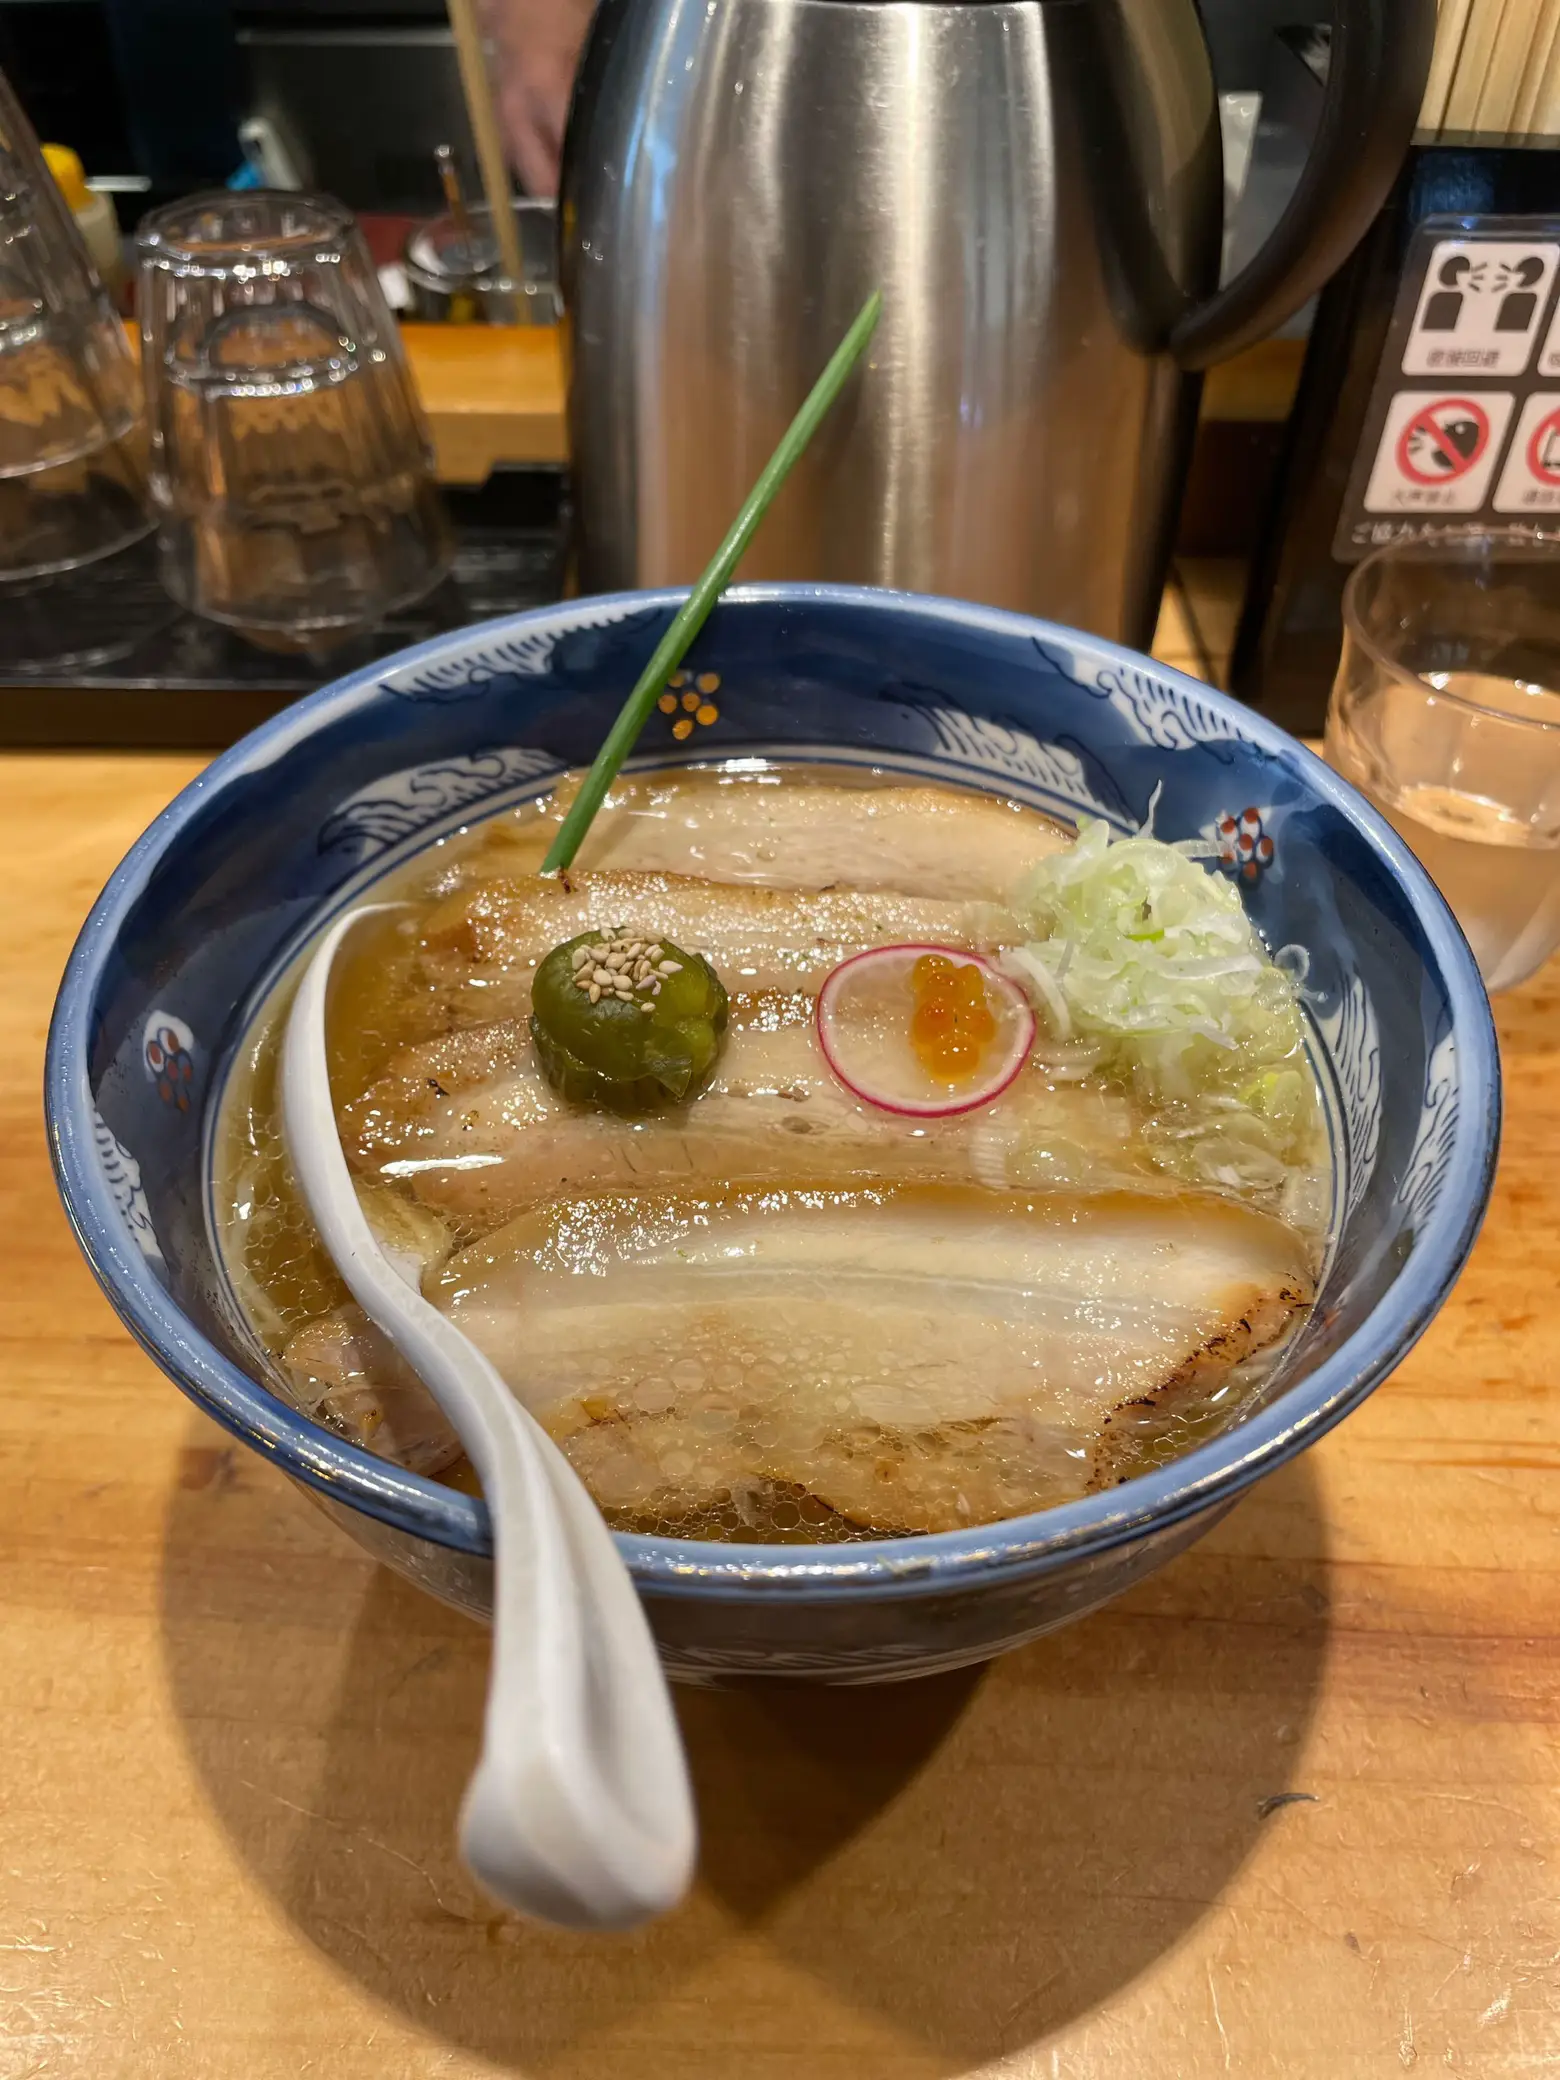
(1376, 78)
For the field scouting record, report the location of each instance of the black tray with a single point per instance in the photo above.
(105, 658)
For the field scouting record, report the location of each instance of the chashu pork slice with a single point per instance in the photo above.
(915, 1358)
(933, 841)
(481, 945)
(470, 1122)
(347, 1372)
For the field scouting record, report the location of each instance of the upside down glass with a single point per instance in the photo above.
(1446, 714)
(290, 463)
(72, 471)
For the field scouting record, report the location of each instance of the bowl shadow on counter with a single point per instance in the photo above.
(927, 1875)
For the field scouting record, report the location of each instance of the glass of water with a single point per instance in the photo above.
(291, 467)
(1446, 713)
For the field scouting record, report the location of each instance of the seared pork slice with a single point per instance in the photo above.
(471, 1123)
(481, 945)
(625, 1465)
(916, 1358)
(343, 1369)
(918, 840)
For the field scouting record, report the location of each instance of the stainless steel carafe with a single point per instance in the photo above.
(1035, 185)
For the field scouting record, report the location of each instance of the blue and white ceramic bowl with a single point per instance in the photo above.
(302, 816)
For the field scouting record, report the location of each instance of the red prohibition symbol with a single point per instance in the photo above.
(1543, 452)
(1443, 441)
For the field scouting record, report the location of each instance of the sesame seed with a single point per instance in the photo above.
(616, 967)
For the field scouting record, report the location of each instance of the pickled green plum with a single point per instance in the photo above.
(632, 1024)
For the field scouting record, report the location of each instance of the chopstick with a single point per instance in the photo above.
(477, 88)
(1540, 56)
(695, 610)
(1473, 64)
(1510, 56)
(1544, 119)
(1450, 32)
(1495, 71)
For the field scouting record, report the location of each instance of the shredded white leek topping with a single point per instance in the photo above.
(1145, 969)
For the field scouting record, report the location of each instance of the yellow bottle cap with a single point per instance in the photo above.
(69, 174)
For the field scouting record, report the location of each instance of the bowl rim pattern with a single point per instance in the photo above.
(1204, 1478)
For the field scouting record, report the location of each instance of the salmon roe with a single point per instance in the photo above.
(952, 1024)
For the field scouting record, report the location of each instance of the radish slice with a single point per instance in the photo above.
(864, 1011)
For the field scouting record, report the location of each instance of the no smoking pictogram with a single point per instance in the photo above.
(1443, 440)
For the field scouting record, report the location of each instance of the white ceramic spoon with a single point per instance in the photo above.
(580, 1811)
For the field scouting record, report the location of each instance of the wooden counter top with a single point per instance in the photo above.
(1292, 1808)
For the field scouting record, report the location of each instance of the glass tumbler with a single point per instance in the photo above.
(290, 464)
(72, 465)
(1446, 713)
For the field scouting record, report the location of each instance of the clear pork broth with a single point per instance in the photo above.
(775, 1312)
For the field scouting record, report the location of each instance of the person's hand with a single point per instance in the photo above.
(538, 47)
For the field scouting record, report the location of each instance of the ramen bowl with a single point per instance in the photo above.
(302, 817)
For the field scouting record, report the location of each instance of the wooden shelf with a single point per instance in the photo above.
(1257, 387)
(492, 395)
(497, 395)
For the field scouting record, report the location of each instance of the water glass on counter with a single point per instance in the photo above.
(291, 465)
(1446, 714)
